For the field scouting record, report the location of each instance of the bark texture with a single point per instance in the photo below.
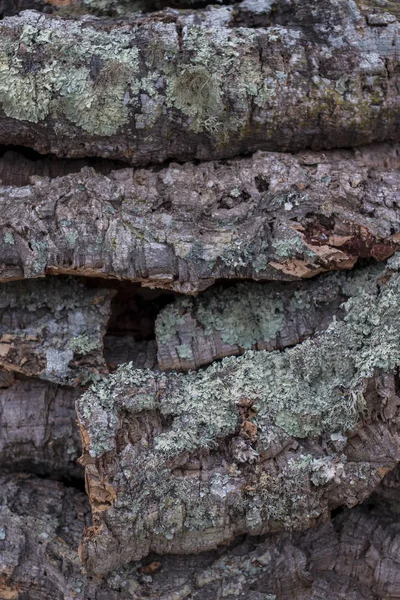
(354, 557)
(184, 87)
(38, 429)
(181, 463)
(185, 226)
(53, 329)
(192, 332)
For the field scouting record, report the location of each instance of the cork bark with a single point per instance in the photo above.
(181, 463)
(53, 329)
(185, 226)
(241, 441)
(38, 429)
(353, 557)
(195, 86)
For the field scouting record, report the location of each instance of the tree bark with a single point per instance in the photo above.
(184, 227)
(354, 557)
(38, 429)
(192, 332)
(182, 88)
(53, 329)
(181, 463)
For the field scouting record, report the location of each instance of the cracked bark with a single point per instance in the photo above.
(53, 330)
(185, 226)
(157, 90)
(38, 429)
(191, 461)
(192, 332)
(353, 557)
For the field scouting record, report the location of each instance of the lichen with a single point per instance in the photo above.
(83, 344)
(313, 387)
(89, 84)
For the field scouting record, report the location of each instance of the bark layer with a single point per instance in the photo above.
(183, 227)
(183, 88)
(221, 322)
(53, 329)
(181, 463)
(354, 557)
(38, 429)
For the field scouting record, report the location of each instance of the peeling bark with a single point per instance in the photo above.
(181, 463)
(165, 88)
(183, 227)
(38, 429)
(53, 329)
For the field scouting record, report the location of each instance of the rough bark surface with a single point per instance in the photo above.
(53, 329)
(194, 87)
(38, 429)
(354, 557)
(181, 463)
(185, 226)
(192, 332)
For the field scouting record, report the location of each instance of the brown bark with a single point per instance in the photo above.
(53, 329)
(179, 87)
(183, 227)
(182, 463)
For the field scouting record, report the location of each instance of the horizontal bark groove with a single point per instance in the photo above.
(354, 557)
(182, 88)
(19, 167)
(183, 227)
(267, 441)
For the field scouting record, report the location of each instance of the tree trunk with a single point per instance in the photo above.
(238, 442)
(180, 87)
(184, 227)
(254, 444)
(38, 429)
(353, 557)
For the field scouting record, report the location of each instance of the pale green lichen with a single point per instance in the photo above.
(9, 238)
(243, 315)
(313, 387)
(63, 83)
(83, 344)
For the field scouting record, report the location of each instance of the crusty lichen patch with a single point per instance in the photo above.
(50, 68)
(232, 414)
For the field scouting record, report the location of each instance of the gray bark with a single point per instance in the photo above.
(354, 557)
(38, 429)
(192, 332)
(53, 329)
(182, 463)
(180, 87)
(184, 227)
